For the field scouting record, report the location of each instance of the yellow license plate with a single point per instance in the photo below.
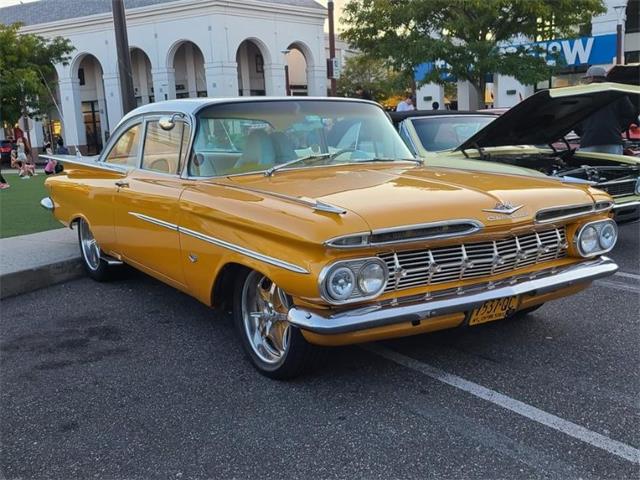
(493, 310)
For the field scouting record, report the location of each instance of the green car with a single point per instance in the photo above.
(530, 139)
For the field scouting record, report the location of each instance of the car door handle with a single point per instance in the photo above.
(122, 184)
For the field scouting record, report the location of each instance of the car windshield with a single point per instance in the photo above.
(446, 133)
(243, 137)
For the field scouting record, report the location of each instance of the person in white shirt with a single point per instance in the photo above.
(405, 105)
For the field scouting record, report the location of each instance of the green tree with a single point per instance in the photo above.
(26, 60)
(372, 74)
(462, 37)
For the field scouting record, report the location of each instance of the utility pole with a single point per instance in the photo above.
(620, 9)
(332, 50)
(124, 56)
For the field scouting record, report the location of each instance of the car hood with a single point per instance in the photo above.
(548, 115)
(388, 195)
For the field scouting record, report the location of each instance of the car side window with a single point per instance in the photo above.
(126, 149)
(164, 149)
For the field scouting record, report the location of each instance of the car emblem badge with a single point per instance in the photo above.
(505, 208)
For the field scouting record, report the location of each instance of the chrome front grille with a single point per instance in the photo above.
(416, 268)
(618, 189)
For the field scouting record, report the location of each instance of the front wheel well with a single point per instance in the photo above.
(222, 294)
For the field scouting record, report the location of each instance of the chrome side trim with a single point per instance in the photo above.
(244, 251)
(47, 203)
(92, 162)
(155, 221)
(562, 217)
(221, 243)
(454, 301)
(368, 239)
(618, 206)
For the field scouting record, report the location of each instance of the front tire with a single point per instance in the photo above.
(276, 348)
(90, 254)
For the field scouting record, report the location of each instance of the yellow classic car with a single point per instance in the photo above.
(313, 222)
(528, 140)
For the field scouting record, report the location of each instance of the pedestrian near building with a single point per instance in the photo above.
(602, 131)
(362, 93)
(406, 104)
(60, 148)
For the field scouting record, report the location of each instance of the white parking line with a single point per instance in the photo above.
(635, 276)
(626, 287)
(583, 434)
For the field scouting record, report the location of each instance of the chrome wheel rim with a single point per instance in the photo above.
(89, 246)
(264, 314)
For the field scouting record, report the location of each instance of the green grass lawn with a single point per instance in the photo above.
(20, 210)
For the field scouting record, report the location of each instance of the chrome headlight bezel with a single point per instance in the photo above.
(356, 266)
(598, 226)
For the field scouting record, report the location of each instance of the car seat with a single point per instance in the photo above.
(259, 149)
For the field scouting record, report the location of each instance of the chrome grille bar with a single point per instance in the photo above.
(425, 267)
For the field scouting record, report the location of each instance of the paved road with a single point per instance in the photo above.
(134, 380)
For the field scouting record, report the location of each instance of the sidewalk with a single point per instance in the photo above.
(30, 262)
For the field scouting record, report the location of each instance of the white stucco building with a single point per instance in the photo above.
(597, 48)
(179, 49)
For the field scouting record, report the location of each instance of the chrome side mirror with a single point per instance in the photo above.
(168, 122)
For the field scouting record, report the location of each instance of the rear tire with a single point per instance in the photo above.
(276, 349)
(90, 254)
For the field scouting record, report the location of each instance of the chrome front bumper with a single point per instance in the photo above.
(416, 309)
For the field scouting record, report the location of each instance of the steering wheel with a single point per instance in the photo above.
(160, 165)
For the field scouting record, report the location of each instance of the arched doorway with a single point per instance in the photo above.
(142, 79)
(92, 102)
(52, 124)
(297, 62)
(251, 61)
(188, 63)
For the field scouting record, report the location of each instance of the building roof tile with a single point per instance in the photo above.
(44, 11)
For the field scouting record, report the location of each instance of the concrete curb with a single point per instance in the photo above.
(23, 281)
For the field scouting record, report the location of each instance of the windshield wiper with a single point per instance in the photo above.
(331, 156)
(275, 168)
(419, 161)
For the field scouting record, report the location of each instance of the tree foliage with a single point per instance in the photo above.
(462, 37)
(26, 60)
(374, 76)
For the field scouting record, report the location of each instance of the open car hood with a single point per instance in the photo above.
(629, 74)
(549, 115)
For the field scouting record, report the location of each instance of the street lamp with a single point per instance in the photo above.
(286, 52)
(620, 15)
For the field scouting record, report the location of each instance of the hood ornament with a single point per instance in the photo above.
(503, 207)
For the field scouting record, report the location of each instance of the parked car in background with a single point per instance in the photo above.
(533, 138)
(5, 151)
(310, 219)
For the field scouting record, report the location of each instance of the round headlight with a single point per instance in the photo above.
(371, 278)
(340, 283)
(608, 236)
(589, 240)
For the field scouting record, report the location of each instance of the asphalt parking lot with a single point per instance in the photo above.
(133, 379)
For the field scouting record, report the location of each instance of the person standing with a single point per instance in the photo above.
(60, 148)
(602, 131)
(362, 93)
(3, 183)
(406, 104)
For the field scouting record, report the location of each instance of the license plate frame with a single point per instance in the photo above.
(493, 310)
